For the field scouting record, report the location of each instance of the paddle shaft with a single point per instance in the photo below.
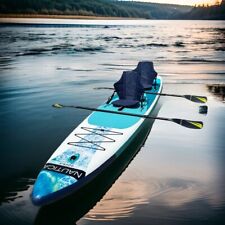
(153, 93)
(193, 98)
(147, 92)
(162, 94)
(120, 113)
(182, 122)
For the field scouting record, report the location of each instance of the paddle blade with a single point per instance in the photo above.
(57, 105)
(194, 98)
(189, 123)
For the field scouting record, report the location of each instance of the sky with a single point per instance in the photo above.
(182, 2)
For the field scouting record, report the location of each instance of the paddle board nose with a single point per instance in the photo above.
(48, 184)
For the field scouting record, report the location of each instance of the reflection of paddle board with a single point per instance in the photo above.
(91, 147)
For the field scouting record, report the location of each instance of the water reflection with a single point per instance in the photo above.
(120, 201)
(13, 189)
(174, 201)
(218, 90)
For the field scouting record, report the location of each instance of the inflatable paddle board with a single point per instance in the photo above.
(91, 147)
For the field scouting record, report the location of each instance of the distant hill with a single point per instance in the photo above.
(153, 10)
(216, 12)
(110, 8)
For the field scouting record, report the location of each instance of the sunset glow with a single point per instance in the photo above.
(185, 2)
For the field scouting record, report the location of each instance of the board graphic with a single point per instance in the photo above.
(70, 165)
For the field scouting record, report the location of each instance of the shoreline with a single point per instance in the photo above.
(43, 16)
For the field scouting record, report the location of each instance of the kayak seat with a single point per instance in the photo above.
(147, 73)
(129, 90)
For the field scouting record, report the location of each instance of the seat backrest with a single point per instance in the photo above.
(146, 70)
(129, 86)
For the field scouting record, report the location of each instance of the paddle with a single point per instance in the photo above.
(193, 98)
(186, 123)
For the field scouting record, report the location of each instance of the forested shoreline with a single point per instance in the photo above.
(110, 8)
(106, 8)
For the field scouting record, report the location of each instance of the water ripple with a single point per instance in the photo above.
(120, 202)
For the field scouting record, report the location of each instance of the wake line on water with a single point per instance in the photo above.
(59, 49)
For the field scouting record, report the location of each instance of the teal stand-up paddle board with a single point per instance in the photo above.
(90, 148)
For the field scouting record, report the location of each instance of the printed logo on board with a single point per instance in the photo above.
(77, 174)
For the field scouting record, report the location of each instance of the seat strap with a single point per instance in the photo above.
(110, 98)
(155, 83)
(121, 108)
(142, 100)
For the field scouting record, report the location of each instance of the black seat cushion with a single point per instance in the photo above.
(129, 89)
(126, 103)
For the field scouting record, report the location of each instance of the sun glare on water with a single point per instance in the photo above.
(187, 2)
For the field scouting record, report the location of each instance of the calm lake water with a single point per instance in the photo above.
(176, 178)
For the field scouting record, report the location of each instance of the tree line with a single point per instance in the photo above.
(112, 8)
(205, 12)
(92, 8)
